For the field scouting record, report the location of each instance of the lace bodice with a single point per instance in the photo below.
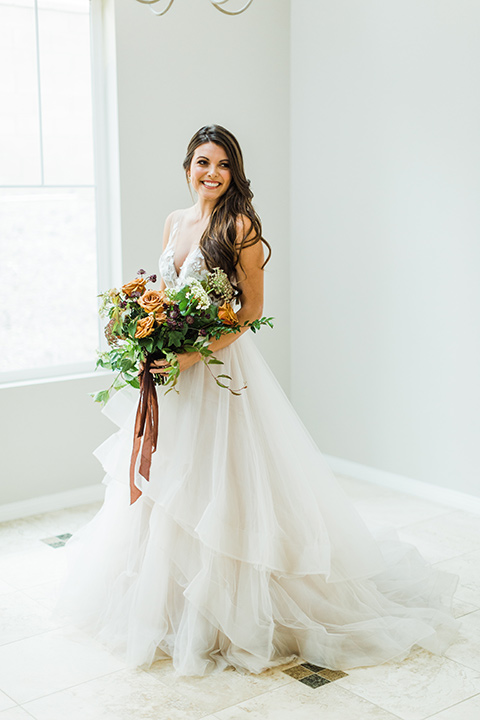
(193, 266)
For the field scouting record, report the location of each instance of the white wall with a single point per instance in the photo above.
(385, 233)
(49, 431)
(189, 68)
(384, 247)
(176, 73)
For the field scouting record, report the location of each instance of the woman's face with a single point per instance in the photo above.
(209, 171)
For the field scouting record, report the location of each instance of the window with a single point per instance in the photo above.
(48, 245)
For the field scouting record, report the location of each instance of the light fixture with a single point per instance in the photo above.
(216, 4)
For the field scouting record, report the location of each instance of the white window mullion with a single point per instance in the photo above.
(39, 88)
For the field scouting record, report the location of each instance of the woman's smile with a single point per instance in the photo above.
(208, 164)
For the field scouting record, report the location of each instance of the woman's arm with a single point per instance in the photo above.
(250, 281)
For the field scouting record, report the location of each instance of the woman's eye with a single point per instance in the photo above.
(201, 162)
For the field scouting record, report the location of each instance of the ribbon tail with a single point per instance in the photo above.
(146, 427)
(135, 492)
(150, 436)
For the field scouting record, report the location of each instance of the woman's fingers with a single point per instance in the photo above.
(159, 367)
(156, 367)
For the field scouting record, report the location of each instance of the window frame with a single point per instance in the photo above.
(106, 185)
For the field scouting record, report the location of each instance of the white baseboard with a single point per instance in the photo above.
(55, 501)
(400, 483)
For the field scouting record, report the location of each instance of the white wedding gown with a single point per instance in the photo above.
(242, 550)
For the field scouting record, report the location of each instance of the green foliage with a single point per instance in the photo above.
(185, 326)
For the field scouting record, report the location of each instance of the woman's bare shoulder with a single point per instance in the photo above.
(170, 220)
(175, 215)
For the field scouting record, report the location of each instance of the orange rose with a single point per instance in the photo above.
(227, 315)
(137, 285)
(152, 300)
(145, 327)
(159, 315)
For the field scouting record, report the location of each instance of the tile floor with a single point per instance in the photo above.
(52, 672)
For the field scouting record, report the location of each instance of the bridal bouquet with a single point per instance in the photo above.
(146, 325)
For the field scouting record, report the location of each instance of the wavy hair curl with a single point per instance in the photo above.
(218, 243)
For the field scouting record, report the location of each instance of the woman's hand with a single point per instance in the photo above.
(162, 367)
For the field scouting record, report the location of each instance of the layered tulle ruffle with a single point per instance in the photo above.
(243, 549)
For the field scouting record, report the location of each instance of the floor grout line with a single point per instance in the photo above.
(468, 552)
(463, 665)
(264, 692)
(24, 710)
(429, 717)
(56, 692)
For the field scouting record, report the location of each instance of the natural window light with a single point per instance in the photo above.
(48, 317)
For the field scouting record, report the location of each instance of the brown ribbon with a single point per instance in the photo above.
(146, 426)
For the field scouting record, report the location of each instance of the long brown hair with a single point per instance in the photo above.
(218, 243)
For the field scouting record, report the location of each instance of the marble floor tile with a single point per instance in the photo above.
(296, 701)
(15, 713)
(387, 507)
(467, 648)
(6, 588)
(12, 543)
(416, 687)
(23, 534)
(123, 695)
(52, 661)
(444, 537)
(21, 617)
(468, 568)
(22, 570)
(46, 593)
(71, 676)
(466, 710)
(461, 608)
(6, 702)
(71, 519)
(215, 692)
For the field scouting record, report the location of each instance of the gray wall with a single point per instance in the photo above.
(385, 233)
(382, 177)
(193, 66)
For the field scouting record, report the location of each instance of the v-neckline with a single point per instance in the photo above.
(194, 247)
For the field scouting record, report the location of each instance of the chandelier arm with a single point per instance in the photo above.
(217, 4)
(149, 2)
(162, 12)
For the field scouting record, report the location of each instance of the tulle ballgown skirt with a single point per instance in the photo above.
(243, 550)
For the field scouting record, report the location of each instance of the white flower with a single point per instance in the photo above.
(219, 284)
(198, 293)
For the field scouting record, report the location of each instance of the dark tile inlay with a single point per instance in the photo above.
(298, 672)
(332, 674)
(312, 667)
(314, 675)
(314, 680)
(57, 540)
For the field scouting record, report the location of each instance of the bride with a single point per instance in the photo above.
(242, 549)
